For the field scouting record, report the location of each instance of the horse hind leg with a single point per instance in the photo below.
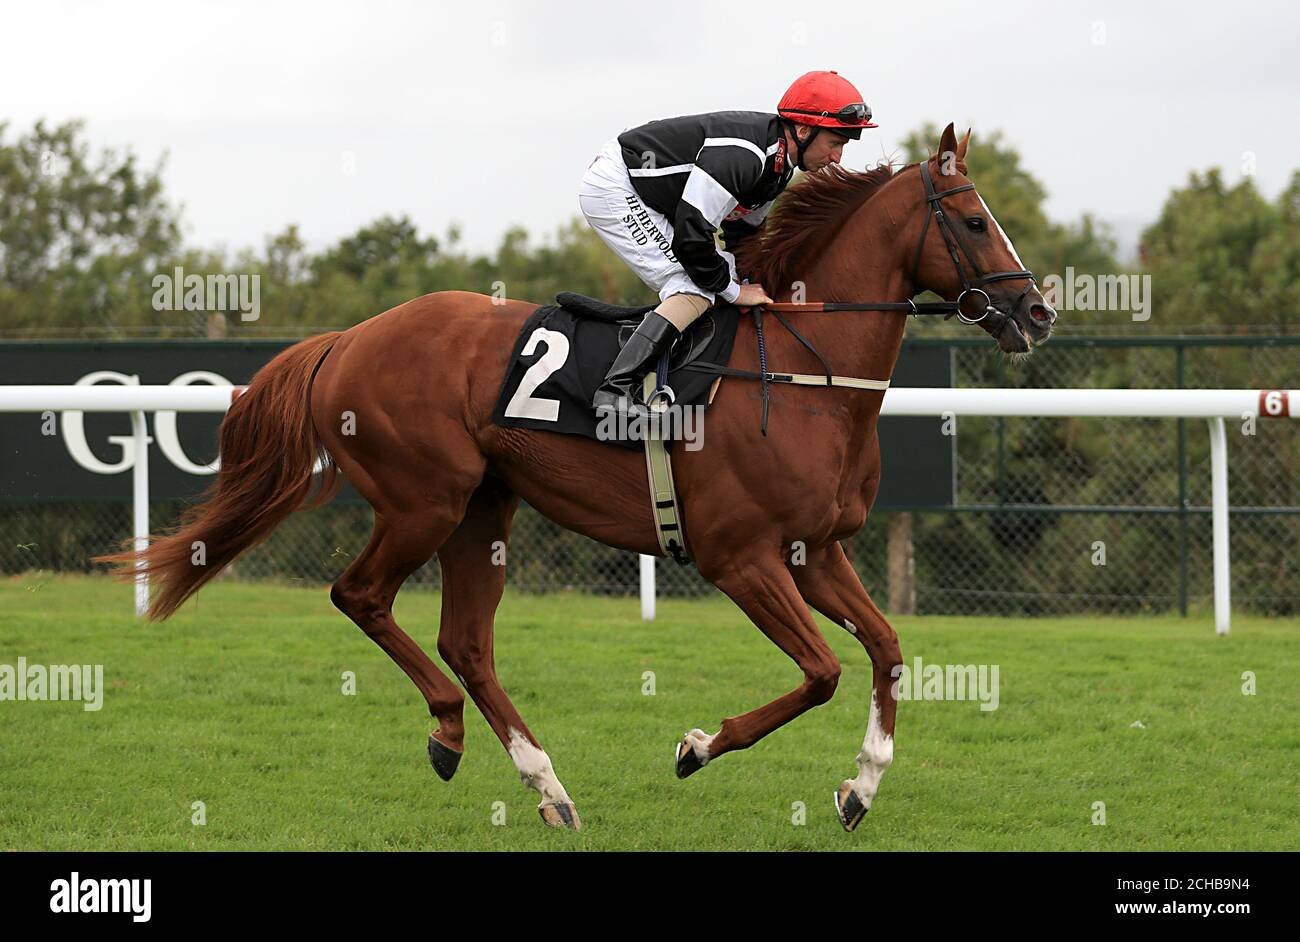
(399, 545)
(473, 579)
(829, 584)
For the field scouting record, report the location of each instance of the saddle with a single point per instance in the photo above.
(599, 310)
(687, 348)
(565, 349)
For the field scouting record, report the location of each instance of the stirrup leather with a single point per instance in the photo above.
(659, 470)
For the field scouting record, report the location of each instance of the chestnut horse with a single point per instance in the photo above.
(401, 404)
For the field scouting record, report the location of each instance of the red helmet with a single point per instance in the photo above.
(826, 100)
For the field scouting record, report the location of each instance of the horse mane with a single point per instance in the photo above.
(805, 219)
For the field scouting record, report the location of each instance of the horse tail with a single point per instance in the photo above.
(269, 453)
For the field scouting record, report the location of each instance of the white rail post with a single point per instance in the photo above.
(647, 588)
(140, 505)
(1219, 505)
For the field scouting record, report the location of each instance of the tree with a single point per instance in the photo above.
(1224, 255)
(79, 237)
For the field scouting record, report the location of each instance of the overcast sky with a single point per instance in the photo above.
(485, 113)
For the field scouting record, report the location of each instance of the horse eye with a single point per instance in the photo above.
(975, 224)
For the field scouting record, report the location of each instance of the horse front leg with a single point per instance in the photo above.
(763, 589)
(829, 584)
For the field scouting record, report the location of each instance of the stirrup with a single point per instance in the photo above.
(640, 353)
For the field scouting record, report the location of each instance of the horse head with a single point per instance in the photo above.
(963, 255)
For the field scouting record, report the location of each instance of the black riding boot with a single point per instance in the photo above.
(618, 393)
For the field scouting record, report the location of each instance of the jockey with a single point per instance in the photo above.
(657, 194)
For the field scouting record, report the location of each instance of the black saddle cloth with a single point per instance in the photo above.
(564, 351)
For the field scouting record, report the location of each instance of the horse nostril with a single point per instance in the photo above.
(1042, 314)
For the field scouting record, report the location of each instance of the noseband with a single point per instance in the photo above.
(953, 239)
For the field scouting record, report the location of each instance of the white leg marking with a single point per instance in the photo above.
(850, 627)
(876, 755)
(534, 767)
(700, 741)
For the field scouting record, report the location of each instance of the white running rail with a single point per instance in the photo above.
(1214, 405)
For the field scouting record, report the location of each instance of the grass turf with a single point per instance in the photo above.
(236, 702)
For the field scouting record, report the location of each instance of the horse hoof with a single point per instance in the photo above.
(688, 763)
(849, 807)
(443, 759)
(560, 814)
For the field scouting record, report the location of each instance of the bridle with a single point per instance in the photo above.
(953, 241)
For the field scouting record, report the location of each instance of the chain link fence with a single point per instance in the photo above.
(1053, 516)
(1078, 515)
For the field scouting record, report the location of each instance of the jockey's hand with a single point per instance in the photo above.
(751, 295)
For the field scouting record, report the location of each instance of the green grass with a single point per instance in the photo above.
(236, 702)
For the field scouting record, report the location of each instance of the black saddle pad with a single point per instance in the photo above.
(561, 358)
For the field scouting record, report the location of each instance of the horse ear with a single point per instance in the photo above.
(947, 145)
(961, 152)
